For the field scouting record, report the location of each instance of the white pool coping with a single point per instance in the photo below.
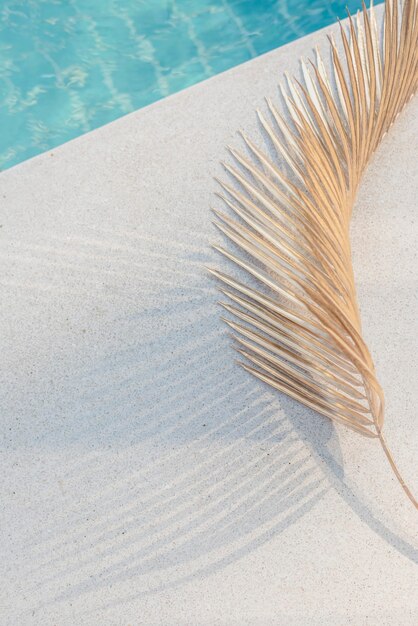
(146, 479)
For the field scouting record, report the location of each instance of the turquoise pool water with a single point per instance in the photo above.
(68, 66)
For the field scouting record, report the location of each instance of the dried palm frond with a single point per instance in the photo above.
(301, 333)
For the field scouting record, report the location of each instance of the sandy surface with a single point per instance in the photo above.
(145, 478)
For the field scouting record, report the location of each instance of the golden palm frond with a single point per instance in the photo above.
(301, 333)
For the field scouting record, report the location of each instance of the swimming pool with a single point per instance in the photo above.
(69, 66)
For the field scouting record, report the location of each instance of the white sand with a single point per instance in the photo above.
(145, 478)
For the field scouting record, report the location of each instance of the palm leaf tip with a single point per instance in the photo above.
(300, 332)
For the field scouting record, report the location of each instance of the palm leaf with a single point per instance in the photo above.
(301, 333)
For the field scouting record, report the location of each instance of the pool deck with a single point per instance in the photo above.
(146, 479)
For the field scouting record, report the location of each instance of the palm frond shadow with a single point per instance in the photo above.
(211, 485)
(245, 476)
